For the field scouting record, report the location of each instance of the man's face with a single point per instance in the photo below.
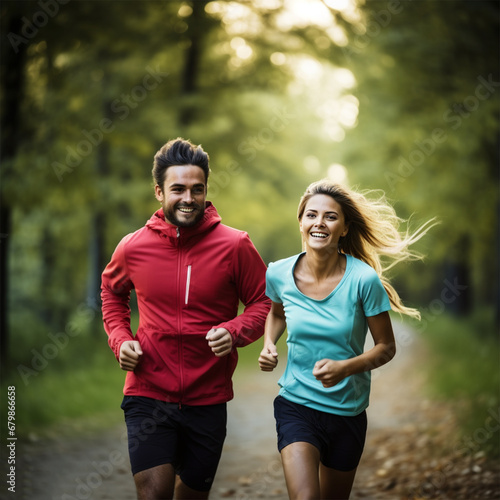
(183, 195)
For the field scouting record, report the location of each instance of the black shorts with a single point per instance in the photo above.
(188, 437)
(339, 439)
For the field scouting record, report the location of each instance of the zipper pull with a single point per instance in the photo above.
(178, 232)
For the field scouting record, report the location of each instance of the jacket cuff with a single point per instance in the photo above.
(238, 340)
(230, 328)
(116, 341)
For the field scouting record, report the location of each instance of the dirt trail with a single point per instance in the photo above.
(404, 456)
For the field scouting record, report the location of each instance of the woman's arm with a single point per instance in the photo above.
(330, 372)
(275, 326)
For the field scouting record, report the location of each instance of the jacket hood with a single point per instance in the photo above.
(158, 223)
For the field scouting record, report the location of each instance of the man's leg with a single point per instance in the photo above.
(153, 442)
(184, 492)
(200, 449)
(156, 483)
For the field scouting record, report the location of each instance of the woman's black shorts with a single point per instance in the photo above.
(339, 439)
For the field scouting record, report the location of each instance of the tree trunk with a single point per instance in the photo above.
(192, 63)
(12, 80)
(459, 287)
(97, 256)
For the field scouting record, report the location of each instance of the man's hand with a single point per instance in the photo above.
(268, 359)
(220, 341)
(330, 372)
(130, 355)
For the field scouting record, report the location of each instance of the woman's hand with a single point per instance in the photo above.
(268, 359)
(330, 372)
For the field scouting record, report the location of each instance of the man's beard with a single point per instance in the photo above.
(172, 217)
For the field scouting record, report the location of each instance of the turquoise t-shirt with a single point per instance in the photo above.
(332, 328)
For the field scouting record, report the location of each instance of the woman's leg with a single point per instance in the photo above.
(335, 484)
(301, 467)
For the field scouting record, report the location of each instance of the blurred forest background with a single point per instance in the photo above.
(399, 96)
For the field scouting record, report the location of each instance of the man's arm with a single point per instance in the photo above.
(115, 296)
(250, 275)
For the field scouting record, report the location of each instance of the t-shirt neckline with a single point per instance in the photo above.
(339, 284)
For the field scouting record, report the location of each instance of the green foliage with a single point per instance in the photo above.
(82, 381)
(464, 371)
(427, 134)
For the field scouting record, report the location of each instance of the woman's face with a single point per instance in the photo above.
(322, 223)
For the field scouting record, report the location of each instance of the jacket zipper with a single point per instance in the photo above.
(188, 282)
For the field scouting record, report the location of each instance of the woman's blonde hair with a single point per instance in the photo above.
(373, 232)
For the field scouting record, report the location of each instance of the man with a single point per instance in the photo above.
(189, 273)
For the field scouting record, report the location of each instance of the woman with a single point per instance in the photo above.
(327, 297)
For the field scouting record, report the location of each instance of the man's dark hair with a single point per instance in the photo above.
(179, 152)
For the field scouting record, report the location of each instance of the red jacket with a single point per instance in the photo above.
(187, 281)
